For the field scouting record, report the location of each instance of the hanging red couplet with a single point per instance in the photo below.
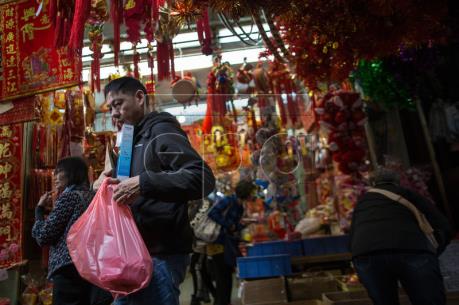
(10, 195)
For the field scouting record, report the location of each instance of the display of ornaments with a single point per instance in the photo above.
(341, 116)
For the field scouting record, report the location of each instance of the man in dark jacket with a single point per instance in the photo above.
(388, 245)
(166, 173)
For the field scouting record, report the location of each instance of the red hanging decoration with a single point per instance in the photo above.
(61, 14)
(82, 9)
(204, 33)
(136, 60)
(163, 56)
(116, 14)
(134, 15)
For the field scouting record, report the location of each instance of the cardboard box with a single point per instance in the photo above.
(344, 285)
(311, 286)
(264, 292)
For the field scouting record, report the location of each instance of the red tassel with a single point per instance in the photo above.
(58, 31)
(204, 33)
(53, 11)
(163, 60)
(115, 15)
(82, 8)
(97, 68)
(92, 77)
(136, 60)
(171, 58)
(207, 122)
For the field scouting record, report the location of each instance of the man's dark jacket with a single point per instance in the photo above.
(381, 224)
(171, 174)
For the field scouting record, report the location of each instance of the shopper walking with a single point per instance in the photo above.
(166, 173)
(228, 212)
(202, 282)
(73, 197)
(388, 245)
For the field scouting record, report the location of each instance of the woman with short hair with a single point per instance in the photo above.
(73, 197)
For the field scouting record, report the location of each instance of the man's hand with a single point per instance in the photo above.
(127, 191)
(103, 175)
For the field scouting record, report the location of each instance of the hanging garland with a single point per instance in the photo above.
(379, 85)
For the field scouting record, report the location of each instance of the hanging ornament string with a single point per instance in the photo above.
(204, 33)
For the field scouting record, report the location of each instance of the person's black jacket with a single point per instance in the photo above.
(379, 224)
(171, 174)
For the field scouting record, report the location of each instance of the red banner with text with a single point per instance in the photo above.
(30, 62)
(10, 195)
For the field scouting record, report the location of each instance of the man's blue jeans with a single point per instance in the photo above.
(419, 274)
(168, 273)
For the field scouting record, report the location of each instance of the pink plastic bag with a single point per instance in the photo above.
(107, 248)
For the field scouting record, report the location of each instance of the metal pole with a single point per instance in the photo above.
(433, 160)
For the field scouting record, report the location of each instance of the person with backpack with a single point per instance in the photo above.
(396, 236)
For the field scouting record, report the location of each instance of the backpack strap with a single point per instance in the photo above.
(424, 224)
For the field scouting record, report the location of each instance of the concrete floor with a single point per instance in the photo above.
(186, 290)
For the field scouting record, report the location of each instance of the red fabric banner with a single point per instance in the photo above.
(23, 110)
(30, 63)
(10, 195)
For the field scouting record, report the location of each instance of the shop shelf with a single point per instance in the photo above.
(326, 245)
(293, 248)
(264, 266)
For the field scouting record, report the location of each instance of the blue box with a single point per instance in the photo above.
(294, 248)
(264, 266)
(124, 160)
(326, 245)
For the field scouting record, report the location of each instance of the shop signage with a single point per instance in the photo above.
(30, 62)
(10, 194)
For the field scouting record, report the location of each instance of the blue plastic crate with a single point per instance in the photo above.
(264, 266)
(326, 245)
(293, 248)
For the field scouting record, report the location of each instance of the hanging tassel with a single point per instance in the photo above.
(115, 14)
(134, 16)
(171, 58)
(92, 77)
(58, 31)
(204, 33)
(163, 60)
(208, 119)
(136, 60)
(97, 68)
(82, 8)
(151, 61)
